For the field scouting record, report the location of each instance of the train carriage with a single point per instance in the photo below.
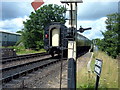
(83, 44)
(55, 36)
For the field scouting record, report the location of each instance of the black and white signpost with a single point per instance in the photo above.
(98, 69)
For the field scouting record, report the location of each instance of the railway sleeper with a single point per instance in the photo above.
(9, 60)
(30, 71)
(13, 67)
(22, 57)
(35, 69)
(16, 76)
(24, 73)
(6, 80)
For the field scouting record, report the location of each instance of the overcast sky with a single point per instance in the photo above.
(90, 14)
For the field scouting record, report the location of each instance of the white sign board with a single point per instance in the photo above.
(98, 66)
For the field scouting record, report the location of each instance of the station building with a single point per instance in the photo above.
(8, 38)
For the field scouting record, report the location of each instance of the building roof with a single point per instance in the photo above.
(10, 32)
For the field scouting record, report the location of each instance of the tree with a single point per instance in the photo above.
(34, 27)
(111, 41)
(99, 43)
(20, 32)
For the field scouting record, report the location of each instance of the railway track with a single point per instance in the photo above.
(10, 73)
(25, 60)
(21, 57)
(21, 70)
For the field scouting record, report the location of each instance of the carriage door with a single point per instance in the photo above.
(55, 37)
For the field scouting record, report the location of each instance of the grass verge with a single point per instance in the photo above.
(109, 75)
(20, 50)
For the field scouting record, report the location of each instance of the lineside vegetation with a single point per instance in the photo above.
(111, 41)
(109, 75)
(20, 50)
(33, 31)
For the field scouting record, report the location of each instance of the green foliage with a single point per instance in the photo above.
(111, 41)
(32, 33)
(28, 51)
(88, 87)
(21, 50)
(109, 74)
(20, 32)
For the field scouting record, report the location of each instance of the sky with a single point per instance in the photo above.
(91, 13)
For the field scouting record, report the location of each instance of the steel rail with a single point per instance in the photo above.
(21, 65)
(22, 57)
(24, 72)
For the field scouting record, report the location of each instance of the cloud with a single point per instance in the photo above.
(96, 10)
(53, 2)
(16, 9)
(97, 26)
(59, 0)
(88, 10)
(12, 25)
(12, 10)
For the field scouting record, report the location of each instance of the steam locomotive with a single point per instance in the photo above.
(56, 37)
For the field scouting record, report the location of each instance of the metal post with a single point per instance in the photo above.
(71, 74)
(97, 82)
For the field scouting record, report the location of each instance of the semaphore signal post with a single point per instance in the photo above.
(72, 42)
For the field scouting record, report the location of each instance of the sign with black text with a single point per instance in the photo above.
(98, 66)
